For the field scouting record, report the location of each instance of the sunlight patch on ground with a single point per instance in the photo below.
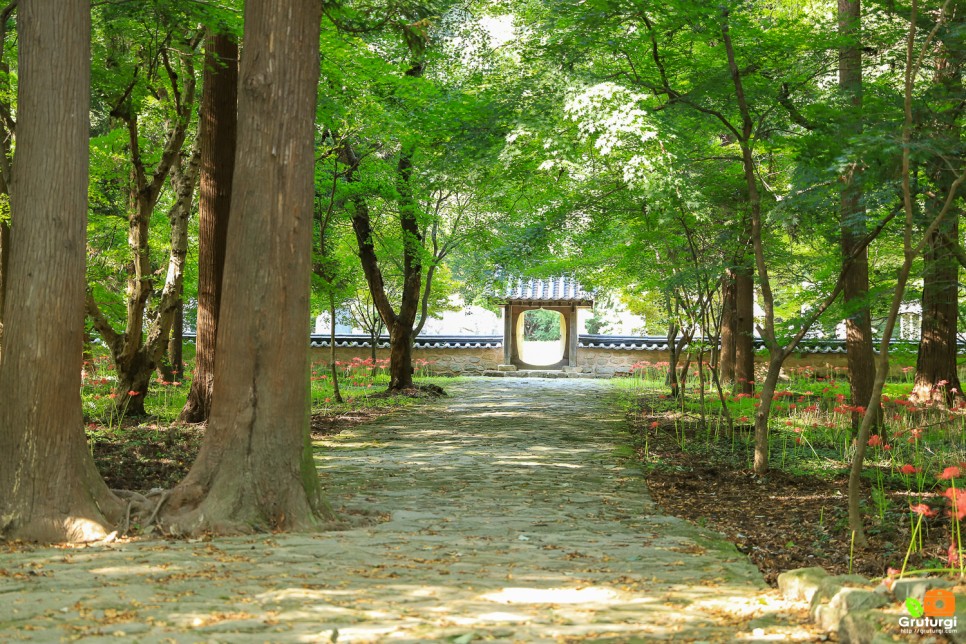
(539, 464)
(497, 617)
(134, 570)
(353, 634)
(552, 596)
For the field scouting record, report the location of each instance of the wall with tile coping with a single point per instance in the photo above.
(591, 361)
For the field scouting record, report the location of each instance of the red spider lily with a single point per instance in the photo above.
(909, 469)
(949, 473)
(654, 425)
(923, 510)
(133, 393)
(957, 502)
(875, 441)
(887, 447)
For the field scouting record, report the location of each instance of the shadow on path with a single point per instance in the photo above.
(508, 517)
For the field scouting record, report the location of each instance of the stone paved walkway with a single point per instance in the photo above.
(507, 516)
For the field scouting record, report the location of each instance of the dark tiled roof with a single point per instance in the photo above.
(556, 289)
(613, 342)
(659, 343)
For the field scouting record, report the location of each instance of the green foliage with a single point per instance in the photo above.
(541, 325)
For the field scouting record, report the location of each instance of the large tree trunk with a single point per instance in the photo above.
(745, 329)
(936, 376)
(729, 324)
(51, 490)
(217, 134)
(858, 324)
(255, 469)
(400, 359)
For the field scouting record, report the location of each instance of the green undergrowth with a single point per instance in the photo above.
(913, 468)
(361, 383)
(155, 451)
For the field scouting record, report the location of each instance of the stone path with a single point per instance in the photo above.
(506, 516)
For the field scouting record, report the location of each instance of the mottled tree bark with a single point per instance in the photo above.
(217, 134)
(51, 490)
(255, 470)
(137, 356)
(858, 323)
(137, 350)
(172, 368)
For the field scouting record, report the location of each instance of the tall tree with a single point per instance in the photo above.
(855, 291)
(729, 322)
(944, 207)
(255, 470)
(400, 325)
(51, 490)
(138, 348)
(937, 378)
(217, 134)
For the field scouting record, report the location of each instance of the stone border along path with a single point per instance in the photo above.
(512, 519)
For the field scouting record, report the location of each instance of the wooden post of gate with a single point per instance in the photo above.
(572, 336)
(509, 337)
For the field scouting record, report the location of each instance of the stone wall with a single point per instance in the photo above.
(591, 361)
(611, 361)
(442, 362)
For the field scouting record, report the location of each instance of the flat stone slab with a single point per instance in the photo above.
(505, 516)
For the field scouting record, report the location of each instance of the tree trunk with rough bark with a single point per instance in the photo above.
(51, 489)
(729, 323)
(217, 135)
(745, 329)
(858, 324)
(937, 379)
(255, 470)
